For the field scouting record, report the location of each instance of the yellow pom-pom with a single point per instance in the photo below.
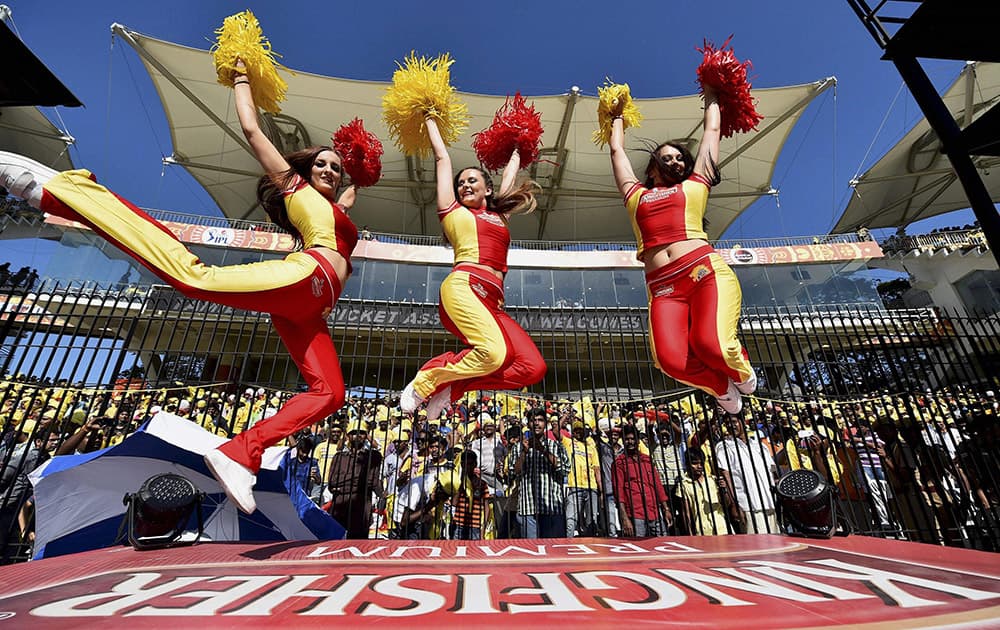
(421, 87)
(610, 95)
(240, 37)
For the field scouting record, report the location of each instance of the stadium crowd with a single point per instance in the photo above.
(951, 239)
(918, 466)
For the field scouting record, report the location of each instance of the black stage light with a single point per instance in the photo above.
(808, 504)
(158, 513)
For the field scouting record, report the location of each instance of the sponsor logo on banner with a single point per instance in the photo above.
(263, 240)
(744, 256)
(750, 582)
(217, 236)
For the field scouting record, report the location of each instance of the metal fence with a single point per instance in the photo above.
(895, 409)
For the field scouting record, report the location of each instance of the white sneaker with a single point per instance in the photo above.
(748, 386)
(409, 399)
(437, 403)
(235, 478)
(731, 403)
(24, 177)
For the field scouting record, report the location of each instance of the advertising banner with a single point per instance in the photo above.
(696, 582)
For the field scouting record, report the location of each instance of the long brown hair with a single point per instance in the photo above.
(271, 187)
(654, 164)
(520, 200)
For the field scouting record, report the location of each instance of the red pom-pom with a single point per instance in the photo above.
(721, 70)
(516, 126)
(361, 151)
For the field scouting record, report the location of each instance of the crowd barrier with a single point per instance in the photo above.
(895, 409)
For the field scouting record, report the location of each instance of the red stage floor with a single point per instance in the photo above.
(694, 582)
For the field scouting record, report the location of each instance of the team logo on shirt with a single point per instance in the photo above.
(491, 217)
(317, 287)
(658, 193)
(700, 272)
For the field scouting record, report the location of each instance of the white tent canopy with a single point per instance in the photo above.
(579, 200)
(27, 131)
(915, 180)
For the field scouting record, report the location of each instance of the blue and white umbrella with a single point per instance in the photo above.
(78, 498)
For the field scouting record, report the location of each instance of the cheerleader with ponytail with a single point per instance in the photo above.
(421, 107)
(694, 297)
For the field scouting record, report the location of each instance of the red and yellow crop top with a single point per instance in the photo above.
(665, 215)
(478, 235)
(321, 222)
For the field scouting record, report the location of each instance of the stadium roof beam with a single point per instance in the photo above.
(940, 119)
(127, 35)
(775, 122)
(390, 183)
(942, 29)
(560, 152)
(61, 137)
(177, 159)
(938, 185)
(181, 161)
(26, 130)
(864, 181)
(917, 157)
(821, 86)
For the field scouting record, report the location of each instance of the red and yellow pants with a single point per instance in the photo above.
(694, 310)
(500, 354)
(298, 292)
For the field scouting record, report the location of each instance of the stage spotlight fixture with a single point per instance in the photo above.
(159, 512)
(808, 504)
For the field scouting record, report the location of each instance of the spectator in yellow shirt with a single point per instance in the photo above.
(325, 449)
(701, 505)
(583, 482)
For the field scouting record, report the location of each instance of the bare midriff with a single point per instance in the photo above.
(497, 274)
(666, 254)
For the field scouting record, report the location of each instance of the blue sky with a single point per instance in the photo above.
(539, 47)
